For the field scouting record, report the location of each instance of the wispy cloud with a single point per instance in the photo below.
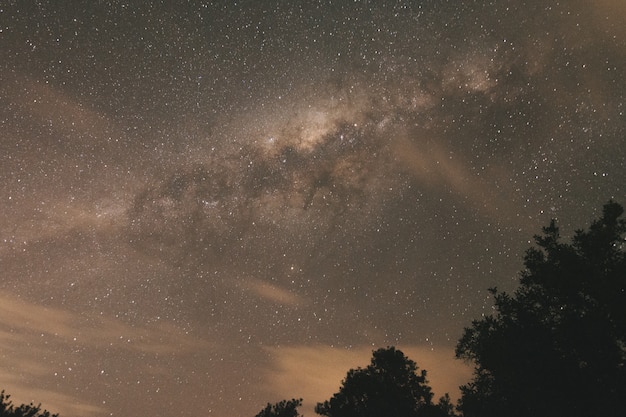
(51, 344)
(272, 293)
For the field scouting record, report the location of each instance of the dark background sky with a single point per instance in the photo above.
(207, 206)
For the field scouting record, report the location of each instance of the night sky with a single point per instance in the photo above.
(208, 206)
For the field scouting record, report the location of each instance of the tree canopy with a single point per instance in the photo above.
(554, 347)
(390, 386)
(7, 409)
(557, 345)
(285, 408)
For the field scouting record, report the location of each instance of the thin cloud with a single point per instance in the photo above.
(272, 293)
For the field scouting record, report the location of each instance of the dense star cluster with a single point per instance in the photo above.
(212, 205)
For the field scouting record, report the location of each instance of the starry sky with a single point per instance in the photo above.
(208, 206)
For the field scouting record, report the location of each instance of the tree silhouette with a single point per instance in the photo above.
(7, 409)
(557, 346)
(285, 408)
(389, 386)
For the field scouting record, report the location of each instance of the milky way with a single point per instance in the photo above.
(210, 206)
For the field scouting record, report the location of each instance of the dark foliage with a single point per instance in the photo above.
(389, 386)
(7, 409)
(285, 408)
(557, 346)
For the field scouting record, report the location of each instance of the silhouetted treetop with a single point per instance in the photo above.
(7, 409)
(285, 408)
(556, 346)
(390, 386)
